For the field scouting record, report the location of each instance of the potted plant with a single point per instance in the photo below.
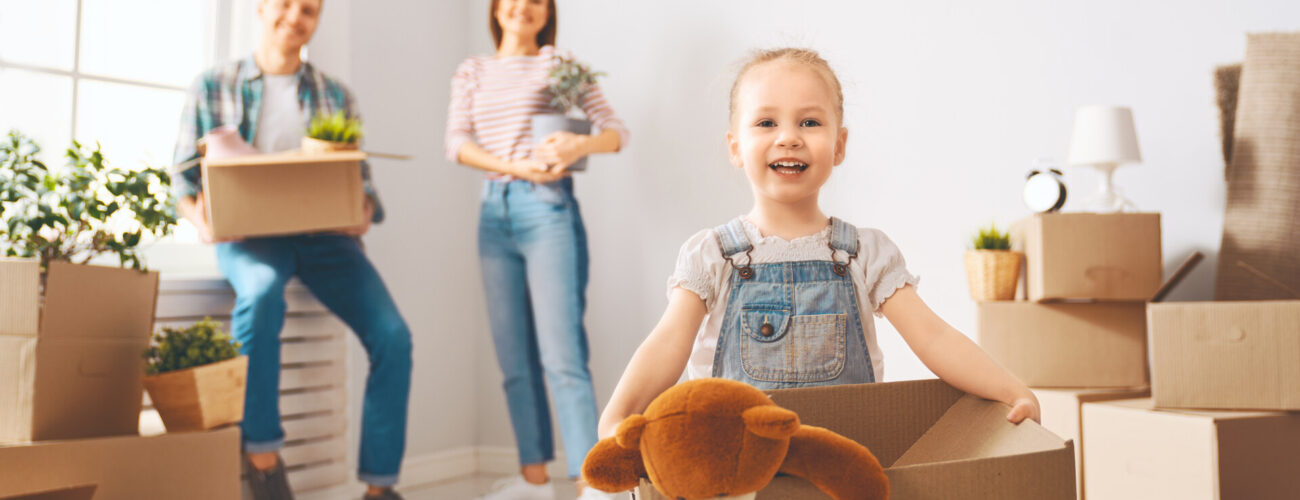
(332, 132)
(570, 81)
(63, 314)
(195, 377)
(992, 268)
(79, 212)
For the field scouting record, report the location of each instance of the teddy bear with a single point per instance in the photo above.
(715, 438)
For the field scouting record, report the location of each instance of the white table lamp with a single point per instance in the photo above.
(1104, 138)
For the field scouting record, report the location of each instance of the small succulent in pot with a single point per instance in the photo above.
(992, 269)
(332, 132)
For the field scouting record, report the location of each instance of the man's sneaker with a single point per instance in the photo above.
(516, 488)
(388, 494)
(270, 484)
(590, 493)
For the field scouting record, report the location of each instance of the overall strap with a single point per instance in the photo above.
(732, 239)
(844, 236)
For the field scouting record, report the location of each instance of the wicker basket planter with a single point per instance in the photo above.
(200, 398)
(993, 274)
(314, 145)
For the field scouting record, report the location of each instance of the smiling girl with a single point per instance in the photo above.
(785, 293)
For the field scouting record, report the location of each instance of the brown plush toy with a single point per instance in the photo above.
(713, 438)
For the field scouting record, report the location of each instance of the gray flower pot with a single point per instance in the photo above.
(544, 125)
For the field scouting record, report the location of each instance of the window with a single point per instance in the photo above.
(114, 72)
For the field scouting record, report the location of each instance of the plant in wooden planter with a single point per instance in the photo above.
(570, 81)
(332, 132)
(195, 377)
(992, 268)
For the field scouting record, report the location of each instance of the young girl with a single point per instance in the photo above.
(784, 292)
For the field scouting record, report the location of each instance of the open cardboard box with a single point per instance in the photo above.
(1226, 355)
(283, 193)
(72, 367)
(1062, 411)
(192, 465)
(1134, 451)
(1104, 257)
(935, 441)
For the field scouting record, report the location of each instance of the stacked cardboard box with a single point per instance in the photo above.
(1081, 336)
(71, 390)
(1225, 390)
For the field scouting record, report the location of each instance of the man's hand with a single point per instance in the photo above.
(361, 230)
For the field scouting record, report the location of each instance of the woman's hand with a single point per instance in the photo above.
(535, 171)
(561, 149)
(1025, 407)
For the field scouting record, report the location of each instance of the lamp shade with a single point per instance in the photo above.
(1103, 135)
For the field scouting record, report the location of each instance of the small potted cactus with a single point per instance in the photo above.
(332, 132)
(570, 81)
(992, 268)
(195, 377)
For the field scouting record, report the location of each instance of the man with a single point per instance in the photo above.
(271, 98)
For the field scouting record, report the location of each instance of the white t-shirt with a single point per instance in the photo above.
(280, 124)
(877, 272)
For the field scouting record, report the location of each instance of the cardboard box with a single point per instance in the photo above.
(1226, 355)
(192, 465)
(1062, 412)
(1090, 256)
(1134, 451)
(283, 193)
(1086, 345)
(72, 368)
(936, 442)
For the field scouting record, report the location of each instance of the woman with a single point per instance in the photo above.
(532, 243)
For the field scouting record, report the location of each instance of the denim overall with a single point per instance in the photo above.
(792, 324)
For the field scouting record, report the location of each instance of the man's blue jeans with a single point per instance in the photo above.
(533, 249)
(336, 271)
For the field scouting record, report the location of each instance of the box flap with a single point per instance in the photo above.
(1253, 344)
(17, 383)
(887, 418)
(287, 158)
(20, 296)
(194, 466)
(978, 428)
(95, 301)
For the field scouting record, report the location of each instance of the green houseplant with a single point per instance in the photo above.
(992, 268)
(332, 132)
(569, 83)
(80, 211)
(195, 377)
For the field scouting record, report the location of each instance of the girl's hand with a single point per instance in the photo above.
(1024, 407)
(561, 149)
(535, 171)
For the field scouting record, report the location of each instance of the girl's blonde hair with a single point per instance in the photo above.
(806, 56)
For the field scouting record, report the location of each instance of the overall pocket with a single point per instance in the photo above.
(803, 348)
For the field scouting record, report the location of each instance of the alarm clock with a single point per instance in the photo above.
(1044, 190)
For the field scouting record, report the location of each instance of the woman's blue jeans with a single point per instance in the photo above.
(336, 271)
(533, 249)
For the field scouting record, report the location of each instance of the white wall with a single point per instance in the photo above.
(948, 103)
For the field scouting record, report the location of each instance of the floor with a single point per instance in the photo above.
(459, 489)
